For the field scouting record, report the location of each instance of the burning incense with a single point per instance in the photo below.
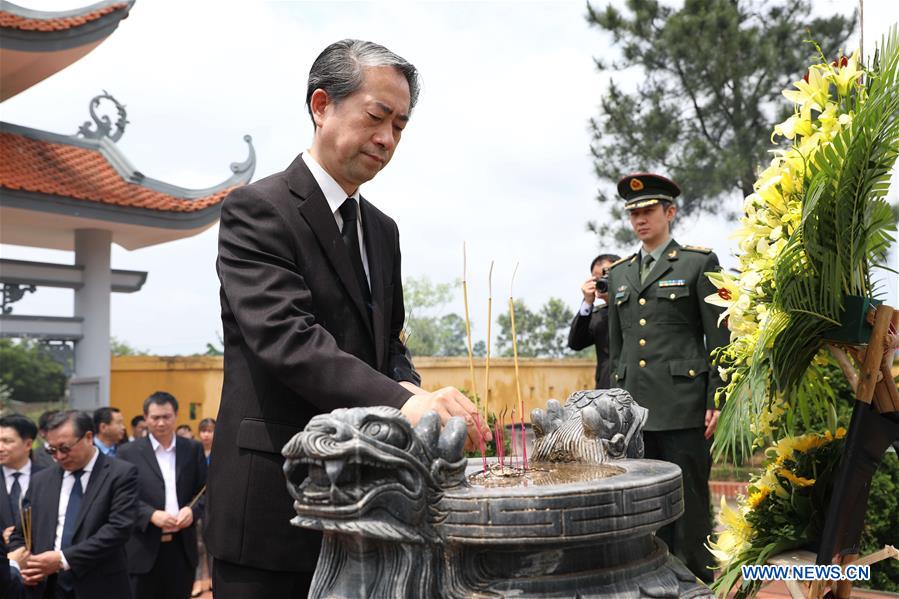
(524, 451)
(474, 387)
(196, 498)
(487, 358)
(25, 514)
(512, 440)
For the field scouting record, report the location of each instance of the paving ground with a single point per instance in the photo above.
(775, 590)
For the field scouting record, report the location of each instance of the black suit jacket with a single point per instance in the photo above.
(593, 330)
(298, 341)
(97, 554)
(190, 476)
(7, 517)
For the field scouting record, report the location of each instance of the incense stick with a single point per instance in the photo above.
(487, 358)
(25, 516)
(524, 451)
(474, 387)
(196, 498)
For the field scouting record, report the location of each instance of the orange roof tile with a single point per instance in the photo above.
(11, 21)
(84, 174)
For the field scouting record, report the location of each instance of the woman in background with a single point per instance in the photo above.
(203, 577)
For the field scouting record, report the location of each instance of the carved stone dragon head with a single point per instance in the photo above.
(371, 473)
(593, 426)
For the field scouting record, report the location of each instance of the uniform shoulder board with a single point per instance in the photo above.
(617, 262)
(696, 248)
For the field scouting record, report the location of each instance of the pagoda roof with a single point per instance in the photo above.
(35, 44)
(52, 184)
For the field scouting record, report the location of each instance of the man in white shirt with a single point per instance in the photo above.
(82, 514)
(162, 552)
(17, 434)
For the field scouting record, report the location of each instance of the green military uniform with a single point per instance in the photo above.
(661, 332)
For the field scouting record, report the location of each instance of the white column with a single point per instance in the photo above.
(90, 388)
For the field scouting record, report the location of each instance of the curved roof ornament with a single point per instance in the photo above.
(249, 165)
(103, 122)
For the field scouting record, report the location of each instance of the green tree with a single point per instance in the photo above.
(118, 347)
(540, 334)
(428, 330)
(30, 373)
(710, 77)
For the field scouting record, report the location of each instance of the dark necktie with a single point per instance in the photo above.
(350, 234)
(14, 493)
(68, 527)
(647, 266)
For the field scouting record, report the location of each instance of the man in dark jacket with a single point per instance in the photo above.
(312, 310)
(162, 551)
(82, 515)
(591, 323)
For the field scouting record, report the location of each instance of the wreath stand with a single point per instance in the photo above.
(873, 428)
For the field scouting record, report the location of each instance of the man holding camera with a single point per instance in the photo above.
(661, 331)
(591, 323)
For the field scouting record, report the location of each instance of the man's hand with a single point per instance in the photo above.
(711, 422)
(589, 290)
(184, 518)
(7, 533)
(37, 567)
(19, 556)
(447, 402)
(163, 520)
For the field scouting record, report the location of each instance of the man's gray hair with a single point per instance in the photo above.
(338, 70)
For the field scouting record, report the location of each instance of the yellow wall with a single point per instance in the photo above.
(192, 380)
(199, 380)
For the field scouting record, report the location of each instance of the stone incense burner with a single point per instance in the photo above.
(405, 515)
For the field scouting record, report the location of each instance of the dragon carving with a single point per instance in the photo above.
(592, 427)
(372, 475)
(401, 519)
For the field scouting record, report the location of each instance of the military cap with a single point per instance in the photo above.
(640, 190)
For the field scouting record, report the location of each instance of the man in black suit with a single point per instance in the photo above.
(591, 323)
(162, 551)
(17, 435)
(82, 514)
(312, 309)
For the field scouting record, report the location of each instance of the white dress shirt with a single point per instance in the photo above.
(165, 457)
(68, 483)
(24, 479)
(336, 196)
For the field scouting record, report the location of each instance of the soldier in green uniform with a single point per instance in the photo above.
(661, 332)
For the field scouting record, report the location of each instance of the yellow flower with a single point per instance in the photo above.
(757, 498)
(812, 93)
(726, 547)
(797, 481)
(845, 76)
(735, 522)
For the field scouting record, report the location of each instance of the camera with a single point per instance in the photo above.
(602, 284)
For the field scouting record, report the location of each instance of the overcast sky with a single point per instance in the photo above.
(497, 152)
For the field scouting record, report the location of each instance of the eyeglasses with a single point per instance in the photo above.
(63, 449)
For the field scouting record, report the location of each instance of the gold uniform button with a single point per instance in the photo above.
(642, 363)
(643, 342)
(692, 372)
(672, 296)
(642, 322)
(642, 301)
